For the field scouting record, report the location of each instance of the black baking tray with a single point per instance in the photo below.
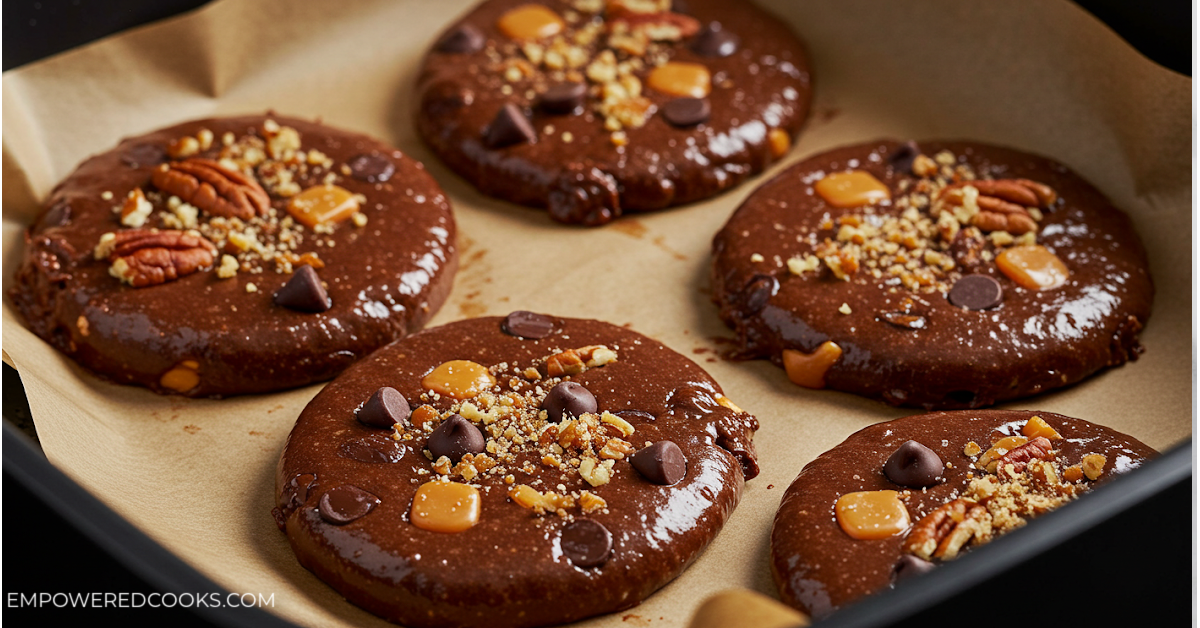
(1120, 554)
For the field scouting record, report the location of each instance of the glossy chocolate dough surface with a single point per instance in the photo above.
(765, 84)
(1032, 342)
(819, 568)
(509, 569)
(385, 279)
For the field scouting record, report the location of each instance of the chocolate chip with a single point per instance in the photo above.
(905, 320)
(304, 292)
(371, 167)
(144, 155)
(661, 463)
(464, 38)
(374, 449)
(909, 566)
(714, 41)
(758, 291)
(385, 408)
(510, 126)
(563, 98)
(976, 292)
(528, 325)
(455, 438)
(901, 159)
(569, 398)
(913, 465)
(345, 503)
(686, 111)
(587, 543)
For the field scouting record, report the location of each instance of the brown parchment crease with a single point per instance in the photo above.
(196, 475)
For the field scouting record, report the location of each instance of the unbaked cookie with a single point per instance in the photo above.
(594, 108)
(898, 498)
(944, 275)
(236, 255)
(516, 471)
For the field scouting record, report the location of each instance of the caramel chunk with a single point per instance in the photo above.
(322, 204)
(678, 78)
(460, 379)
(182, 378)
(1036, 427)
(1033, 266)
(530, 22)
(872, 514)
(852, 189)
(780, 142)
(808, 369)
(445, 507)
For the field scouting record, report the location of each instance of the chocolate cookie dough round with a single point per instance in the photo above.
(537, 460)
(869, 512)
(594, 108)
(944, 275)
(236, 255)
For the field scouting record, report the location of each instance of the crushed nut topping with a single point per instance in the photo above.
(223, 191)
(1022, 482)
(950, 220)
(605, 44)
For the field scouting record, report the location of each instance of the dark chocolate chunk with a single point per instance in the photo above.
(569, 398)
(909, 566)
(905, 320)
(304, 292)
(758, 291)
(913, 465)
(976, 292)
(462, 39)
(295, 492)
(144, 155)
(374, 449)
(385, 408)
(563, 98)
(528, 325)
(901, 159)
(293, 496)
(693, 400)
(714, 41)
(345, 503)
(455, 438)
(586, 542)
(510, 126)
(661, 463)
(686, 111)
(638, 414)
(57, 216)
(371, 167)
(585, 195)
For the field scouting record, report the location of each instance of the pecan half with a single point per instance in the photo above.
(942, 533)
(1019, 457)
(212, 188)
(148, 257)
(1002, 203)
(661, 26)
